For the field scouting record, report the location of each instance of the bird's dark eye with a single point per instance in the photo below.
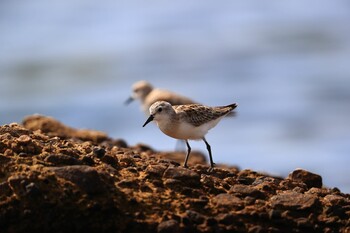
(160, 109)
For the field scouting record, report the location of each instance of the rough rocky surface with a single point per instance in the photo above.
(54, 178)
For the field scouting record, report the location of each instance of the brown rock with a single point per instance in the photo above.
(185, 175)
(256, 229)
(228, 201)
(332, 199)
(195, 217)
(32, 189)
(321, 192)
(17, 184)
(111, 160)
(245, 190)
(98, 152)
(128, 183)
(198, 202)
(4, 159)
(143, 147)
(120, 143)
(247, 176)
(309, 178)
(288, 184)
(136, 189)
(126, 160)
(170, 226)
(23, 145)
(85, 177)
(5, 190)
(53, 127)
(62, 160)
(174, 184)
(294, 201)
(14, 130)
(156, 170)
(226, 219)
(24, 139)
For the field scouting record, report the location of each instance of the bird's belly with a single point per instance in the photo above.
(186, 131)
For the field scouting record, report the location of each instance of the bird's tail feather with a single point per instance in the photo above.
(232, 106)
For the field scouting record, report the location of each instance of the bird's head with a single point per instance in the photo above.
(159, 111)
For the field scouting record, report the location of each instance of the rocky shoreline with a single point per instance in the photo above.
(54, 178)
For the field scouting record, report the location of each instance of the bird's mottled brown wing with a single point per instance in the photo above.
(197, 114)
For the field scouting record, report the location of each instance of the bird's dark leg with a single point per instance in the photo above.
(210, 156)
(188, 153)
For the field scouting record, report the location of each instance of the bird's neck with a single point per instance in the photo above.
(167, 122)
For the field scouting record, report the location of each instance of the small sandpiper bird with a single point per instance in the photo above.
(188, 122)
(147, 95)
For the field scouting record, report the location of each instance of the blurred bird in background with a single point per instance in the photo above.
(147, 95)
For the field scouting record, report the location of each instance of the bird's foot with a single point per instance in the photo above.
(211, 168)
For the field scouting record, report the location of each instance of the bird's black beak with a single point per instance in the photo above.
(150, 118)
(129, 100)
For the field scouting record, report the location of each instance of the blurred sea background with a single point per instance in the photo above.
(286, 64)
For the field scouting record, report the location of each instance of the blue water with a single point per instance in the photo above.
(286, 64)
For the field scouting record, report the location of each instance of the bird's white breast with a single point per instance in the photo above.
(184, 130)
